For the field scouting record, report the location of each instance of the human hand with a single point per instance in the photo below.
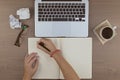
(30, 66)
(48, 44)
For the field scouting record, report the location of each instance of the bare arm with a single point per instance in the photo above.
(67, 70)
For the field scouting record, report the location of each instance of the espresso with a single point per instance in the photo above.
(107, 33)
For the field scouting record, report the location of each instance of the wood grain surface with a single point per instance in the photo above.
(106, 58)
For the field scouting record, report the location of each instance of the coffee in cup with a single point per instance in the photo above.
(107, 32)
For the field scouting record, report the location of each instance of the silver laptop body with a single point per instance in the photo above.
(61, 18)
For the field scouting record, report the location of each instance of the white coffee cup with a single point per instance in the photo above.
(107, 32)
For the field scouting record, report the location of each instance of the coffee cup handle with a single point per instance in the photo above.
(115, 27)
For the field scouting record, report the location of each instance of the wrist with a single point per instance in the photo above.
(57, 51)
(58, 54)
(27, 77)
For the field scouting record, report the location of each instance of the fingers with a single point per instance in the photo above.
(26, 56)
(42, 40)
(40, 47)
(36, 64)
(46, 43)
(43, 49)
(30, 57)
(33, 60)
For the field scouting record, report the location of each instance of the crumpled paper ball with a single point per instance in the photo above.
(14, 22)
(24, 13)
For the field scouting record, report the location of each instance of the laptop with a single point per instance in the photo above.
(61, 18)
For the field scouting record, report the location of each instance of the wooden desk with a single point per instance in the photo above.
(106, 59)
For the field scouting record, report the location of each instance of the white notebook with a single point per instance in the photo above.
(77, 51)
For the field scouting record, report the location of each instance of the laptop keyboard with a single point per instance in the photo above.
(61, 12)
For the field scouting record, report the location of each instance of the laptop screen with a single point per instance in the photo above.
(61, 0)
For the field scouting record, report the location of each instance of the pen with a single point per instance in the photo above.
(43, 45)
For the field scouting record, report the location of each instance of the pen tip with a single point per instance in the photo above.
(41, 43)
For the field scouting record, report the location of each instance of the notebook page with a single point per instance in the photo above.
(48, 68)
(78, 53)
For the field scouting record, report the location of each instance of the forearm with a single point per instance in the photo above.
(67, 70)
(26, 77)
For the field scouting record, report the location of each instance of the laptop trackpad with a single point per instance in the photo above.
(61, 29)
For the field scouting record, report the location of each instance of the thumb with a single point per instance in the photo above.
(36, 65)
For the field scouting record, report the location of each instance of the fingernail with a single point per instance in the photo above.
(35, 52)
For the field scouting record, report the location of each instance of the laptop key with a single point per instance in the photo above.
(42, 19)
(39, 19)
(49, 19)
(81, 16)
(39, 16)
(83, 20)
(59, 19)
(83, 11)
(70, 19)
(82, 6)
(80, 19)
(40, 12)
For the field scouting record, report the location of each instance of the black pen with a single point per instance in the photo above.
(43, 45)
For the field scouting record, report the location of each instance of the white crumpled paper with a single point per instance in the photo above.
(24, 13)
(14, 22)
